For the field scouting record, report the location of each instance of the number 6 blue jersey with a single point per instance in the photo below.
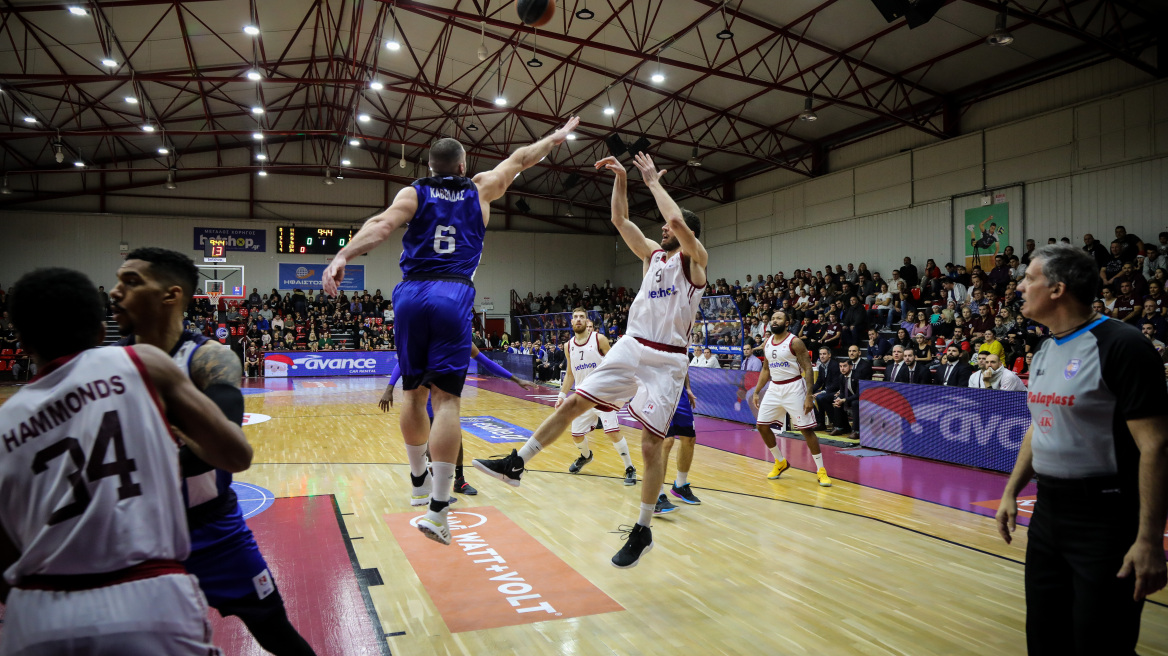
(444, 240)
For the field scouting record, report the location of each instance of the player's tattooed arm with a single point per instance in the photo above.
(215, 364)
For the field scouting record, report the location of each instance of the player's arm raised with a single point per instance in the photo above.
(690, 246)
(494, 183)
(376, 230)
(637, 242)
(212, 437)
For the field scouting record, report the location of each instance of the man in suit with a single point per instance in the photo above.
(826, 373)
(845, 400)
(896, 372)
(862, 367)
(953, 372)
(918, 372)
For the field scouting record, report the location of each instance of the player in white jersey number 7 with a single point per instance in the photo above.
(647, 367)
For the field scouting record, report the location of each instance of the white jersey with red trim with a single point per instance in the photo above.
(667, 302)
(89, 478)
(781, 360)
(585, 357)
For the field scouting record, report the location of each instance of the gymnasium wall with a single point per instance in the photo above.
(523, 261)
(1083, 168)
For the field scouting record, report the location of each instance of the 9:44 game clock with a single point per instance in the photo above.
(306, 240)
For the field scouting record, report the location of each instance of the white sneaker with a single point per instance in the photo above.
(421, 495)
(433, 525)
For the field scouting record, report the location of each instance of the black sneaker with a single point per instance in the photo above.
(664, 507)
(505, 468)
(462, 487)
(683, 493)
(638, 542)
(575, 467)
(630, 475)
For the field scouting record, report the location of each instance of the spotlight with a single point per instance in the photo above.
(59, 156)
(170, 180)
(257, 110)
(609, 111)
(354, 142)
(30, 119)
(345, 162)
(364, 118)
(258, 136)
(147, 128)
(131, 100)
(251, 29)
(79, 164)
(500, 101)
(807, 114)
(658, 77)
(163, 151)
(262, 173)
(261, 157)
(78, 11)
(376, 86)
(482, 52)
(393, 45)
(571, 136)
(1000, 36)
(110, 63)
(254, 76)
(5, 189)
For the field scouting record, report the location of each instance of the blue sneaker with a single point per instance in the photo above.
(685, 494)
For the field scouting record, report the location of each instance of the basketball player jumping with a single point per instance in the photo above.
(788, 391)
(588, 356)
(447, 215)
(154, 287)
(92, 529)
(648, 366)
(487, 365)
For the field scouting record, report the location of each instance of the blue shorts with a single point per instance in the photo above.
(433, 327)
(683, 419)
(225, 558)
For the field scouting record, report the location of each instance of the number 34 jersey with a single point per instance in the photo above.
(445, 237)
(89, 478)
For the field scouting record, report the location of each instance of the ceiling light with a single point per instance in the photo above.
(1000, 36)
(5, 189)
(132, 100)
(251, 29)
(807, 114)
(78, 11)
(571, 136)
(500, 101)
(345, 162)
(59, 155)
(534, 62)
(585, 13)
(609, 111)
(376, 86)
(147, 128)
(108, 62)
(257, 110)
(255, 76)
(261, 157)
(482, 52)
(79, 164)
(170, 180)
(471, 127)
(258, 136)
(694, 161)
(354, 142)
(364, 118)
(30, 119)
(163, 150)
(658, 78)
(725, 35)
(262, 173)
(392, 44)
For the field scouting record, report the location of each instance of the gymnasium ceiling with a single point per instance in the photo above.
(737, 101)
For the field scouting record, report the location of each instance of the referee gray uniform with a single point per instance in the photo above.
(1083, 390)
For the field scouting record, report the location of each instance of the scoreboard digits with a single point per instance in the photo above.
(307, 240)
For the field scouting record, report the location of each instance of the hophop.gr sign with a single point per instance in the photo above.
(295, 275)
(252, 241)
(340, 363)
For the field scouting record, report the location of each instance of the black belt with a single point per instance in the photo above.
(450, 277)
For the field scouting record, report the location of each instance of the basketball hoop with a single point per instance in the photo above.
(214, 295)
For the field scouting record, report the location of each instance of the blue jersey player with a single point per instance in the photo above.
(445, 217)
(153, 290)
(681, 427)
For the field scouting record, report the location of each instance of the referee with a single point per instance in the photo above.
(1097, 442)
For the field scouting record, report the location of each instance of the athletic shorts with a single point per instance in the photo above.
(227, 561)
(783, 399)
(586, 422)
(683, 419)
(650, 380)
(433, 330)
(159, 615)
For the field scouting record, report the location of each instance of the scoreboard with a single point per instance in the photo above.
(312, 241)
(215, 250)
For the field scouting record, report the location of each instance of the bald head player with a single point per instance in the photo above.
(154, 287)
(445, 216)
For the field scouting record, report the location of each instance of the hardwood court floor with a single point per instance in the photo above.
(782, 567)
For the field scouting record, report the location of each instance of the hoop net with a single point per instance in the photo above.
(214, 297)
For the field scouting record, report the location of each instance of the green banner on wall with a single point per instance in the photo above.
(987, 233)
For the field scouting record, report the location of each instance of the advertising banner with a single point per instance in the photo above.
(494, 430)
(329, 363)
(987, 233)
(722, 393)
(974, 427)
(294, 275)
(252, 241)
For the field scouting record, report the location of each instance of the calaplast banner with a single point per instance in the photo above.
(974, 427)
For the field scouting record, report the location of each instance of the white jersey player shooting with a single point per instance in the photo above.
(647, 368)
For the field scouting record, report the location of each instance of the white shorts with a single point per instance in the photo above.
(160, 615)
(648, 379)
(586, 422)
(784, 399)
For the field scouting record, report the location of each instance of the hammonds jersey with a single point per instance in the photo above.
(445, 237)
(585, 357)
(89, 477)
(664, 308)
(781, 360)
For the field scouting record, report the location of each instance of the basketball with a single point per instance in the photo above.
(535, 12)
